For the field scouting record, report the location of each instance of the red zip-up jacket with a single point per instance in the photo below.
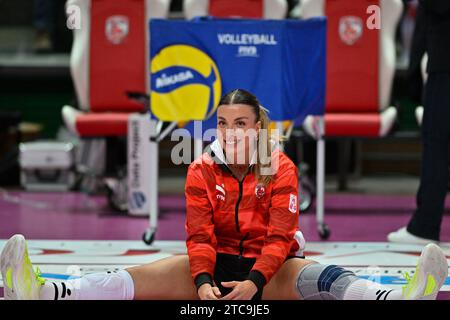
(240, 218)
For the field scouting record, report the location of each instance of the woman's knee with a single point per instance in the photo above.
(283, 284)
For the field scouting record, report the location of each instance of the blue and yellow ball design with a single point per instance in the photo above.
(185, 84)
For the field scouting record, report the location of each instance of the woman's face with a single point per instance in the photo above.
(237, 129)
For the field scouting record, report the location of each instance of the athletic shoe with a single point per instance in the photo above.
(20, 281)
(404, 236)
(430, 275)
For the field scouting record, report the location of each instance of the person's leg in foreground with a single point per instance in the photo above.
(167, 278)
(425, 224)
(170, 278)
(303, 279)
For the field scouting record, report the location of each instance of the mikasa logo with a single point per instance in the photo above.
(164, 80)
(221, 192)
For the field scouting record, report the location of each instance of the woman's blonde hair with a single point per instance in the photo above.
(265, 140)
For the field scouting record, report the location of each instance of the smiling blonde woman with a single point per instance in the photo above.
(243, 240)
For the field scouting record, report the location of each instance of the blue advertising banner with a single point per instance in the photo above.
(194, 63)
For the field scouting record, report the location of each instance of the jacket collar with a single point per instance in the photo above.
(216, 152)
(216, 148)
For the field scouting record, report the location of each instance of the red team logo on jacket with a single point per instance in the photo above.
(116, 29)
(350, 29)
(260, 191)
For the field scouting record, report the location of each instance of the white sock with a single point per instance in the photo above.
(97, 286)
(57, 291)
(363, 289)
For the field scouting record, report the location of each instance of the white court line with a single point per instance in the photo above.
(64, 258)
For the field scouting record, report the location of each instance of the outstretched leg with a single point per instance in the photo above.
(167, 278)
(305, 279)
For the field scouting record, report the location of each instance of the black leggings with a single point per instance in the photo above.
(427, 219)
(234, 268)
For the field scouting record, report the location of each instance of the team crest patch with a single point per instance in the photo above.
(116, 29)
(220, 192)
(293, 203)
(260, 191)
(350, 29)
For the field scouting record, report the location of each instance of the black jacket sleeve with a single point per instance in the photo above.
(437, 7)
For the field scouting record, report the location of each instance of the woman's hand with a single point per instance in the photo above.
(208, 292)
(242, 290)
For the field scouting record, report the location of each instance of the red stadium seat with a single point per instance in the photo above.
(359, 76)
(247, 9)
(109, 58)
(268, 9)
(360, 67)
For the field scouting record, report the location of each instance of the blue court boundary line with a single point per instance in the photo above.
(393, 279)
(58, 276)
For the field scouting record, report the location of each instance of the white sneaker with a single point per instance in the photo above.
(430, 275)
(20, 281)
(403, 236)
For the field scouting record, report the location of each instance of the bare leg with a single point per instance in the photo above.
(165, 279)
(282, 286)
(299, 278)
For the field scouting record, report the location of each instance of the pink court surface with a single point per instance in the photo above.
(72, 234)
